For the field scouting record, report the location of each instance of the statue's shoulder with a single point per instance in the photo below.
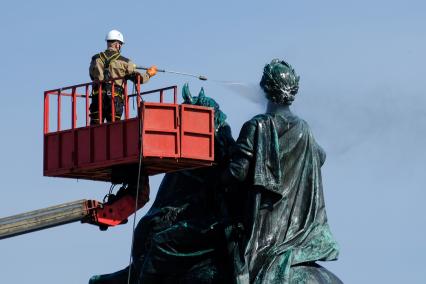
(260, 118)
(264, 120)
(250, 127)
(302, 126)
(304, 123)
(252, 124)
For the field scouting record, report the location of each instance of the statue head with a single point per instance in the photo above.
(203, 100)
(279, 82)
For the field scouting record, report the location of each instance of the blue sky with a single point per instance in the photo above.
(361, 90)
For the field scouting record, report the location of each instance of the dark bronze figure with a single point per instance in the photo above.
(276, 170)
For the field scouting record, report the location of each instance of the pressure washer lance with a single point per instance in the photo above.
(203, 78)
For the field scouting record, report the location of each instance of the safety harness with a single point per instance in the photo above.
(107, 61)
(107, 86)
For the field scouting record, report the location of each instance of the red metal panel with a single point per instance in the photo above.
(52, 151)
(197, 120)
(116, 145)
(160, 136)
(99, 139)
(160, 116)
(160, 144)
(83, 146)
(197, 132)
(67, 149)
(132, 137)
(197, 146)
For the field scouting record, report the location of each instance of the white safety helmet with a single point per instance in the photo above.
(114, 35)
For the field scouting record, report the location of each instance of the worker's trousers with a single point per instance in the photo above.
(106, 108)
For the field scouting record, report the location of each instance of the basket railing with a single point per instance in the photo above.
(85, 92)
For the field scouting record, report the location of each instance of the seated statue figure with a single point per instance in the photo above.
(275, 174)
(180, 239)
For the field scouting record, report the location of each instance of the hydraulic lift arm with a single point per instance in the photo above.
(87, 211)
(46, 218)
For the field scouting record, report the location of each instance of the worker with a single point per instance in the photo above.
(107, 65)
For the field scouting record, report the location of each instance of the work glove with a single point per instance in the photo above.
(152, 70)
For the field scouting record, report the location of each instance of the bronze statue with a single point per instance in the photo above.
(276, 170)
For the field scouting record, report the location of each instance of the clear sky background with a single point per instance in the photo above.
(362, 67)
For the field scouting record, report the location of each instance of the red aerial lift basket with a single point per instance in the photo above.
(168, 136)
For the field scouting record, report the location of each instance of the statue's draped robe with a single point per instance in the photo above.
(279, 163)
